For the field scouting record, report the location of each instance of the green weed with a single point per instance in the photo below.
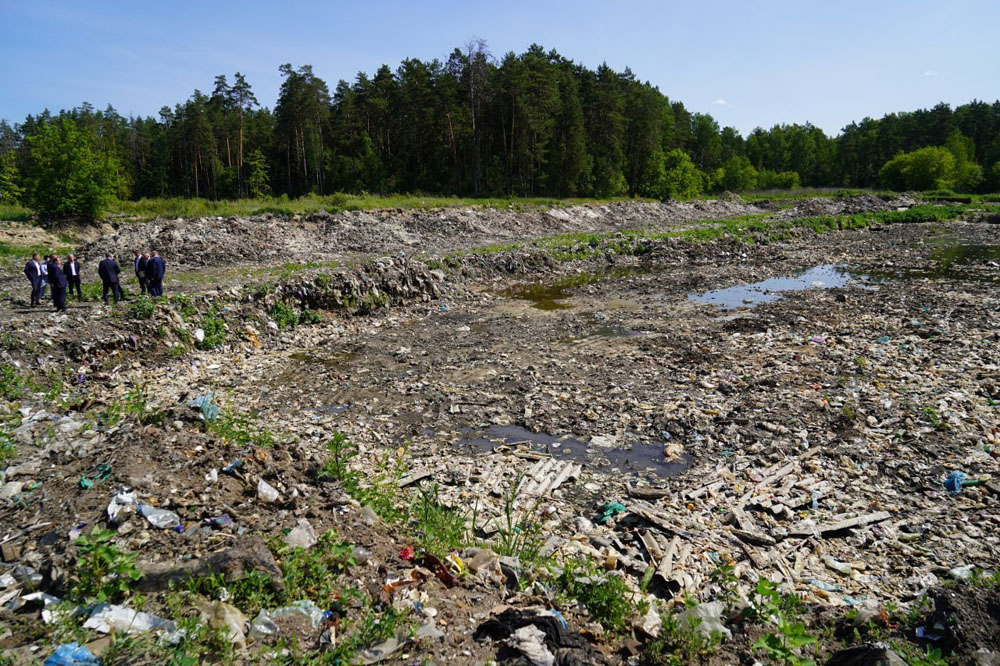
(605, 596)
(143, 308)
(284, 316)
(782, 611)
(103, 573)
(239, 429)
(136, 403)
(382, 488)
(215, 331)
(517, 535)
(312, 574)
(680, 643)
(439, 529)
(8, 449)
(11, 382)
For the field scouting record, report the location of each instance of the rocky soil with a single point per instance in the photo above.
(804, 437)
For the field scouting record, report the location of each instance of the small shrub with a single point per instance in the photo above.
(215, 331)
(7, 447)
(284, 316)
(439, 529)
(183, 305)
(239, 429)
(308, 316)
(605, 596)
(142, 308)
(103, 573)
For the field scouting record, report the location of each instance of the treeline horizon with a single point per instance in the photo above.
(533, 124)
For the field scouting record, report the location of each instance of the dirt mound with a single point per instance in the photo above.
(216, 240)
(815, 207)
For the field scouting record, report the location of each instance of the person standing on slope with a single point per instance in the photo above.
(108, 269)
(58, 281)
(139, 264)
(72, 271)
(33, 271)
(156, 268)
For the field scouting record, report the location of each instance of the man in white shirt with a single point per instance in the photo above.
(33, 271)
(72, 271)
(44, 267)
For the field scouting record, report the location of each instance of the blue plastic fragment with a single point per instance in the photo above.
(72, 654)
(953, 484)
(203, 403)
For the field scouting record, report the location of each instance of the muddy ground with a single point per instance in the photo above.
(804, 438)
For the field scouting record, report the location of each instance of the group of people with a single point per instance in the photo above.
(53, 273)
(149, 270)
(63, 277)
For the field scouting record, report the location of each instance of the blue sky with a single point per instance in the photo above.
(748, 63)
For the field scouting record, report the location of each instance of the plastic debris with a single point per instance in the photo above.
(72, 654)
(95, 476)
(266, 492)
(122, 504)
(529, 640)
(707, 617)
(106, 618)
(608, 510)
(165, 520)
(302, 535)
(262, 627)
(208, 411)
(953, 484)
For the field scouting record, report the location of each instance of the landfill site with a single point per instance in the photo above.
(715, 432)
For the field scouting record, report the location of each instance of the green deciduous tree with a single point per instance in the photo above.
(10, 191)
(681, 179)
(928, 168)
(736, 175)
(66, 175)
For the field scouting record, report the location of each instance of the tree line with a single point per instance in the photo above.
(529, 124)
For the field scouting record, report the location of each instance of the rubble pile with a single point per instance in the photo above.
(320, 236)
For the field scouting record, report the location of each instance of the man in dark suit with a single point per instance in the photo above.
(139, 264)
(57, 279)
(108, 269)
(72, 271)
(33, 271)
(156, 268)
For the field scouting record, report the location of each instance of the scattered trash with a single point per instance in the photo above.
(706, 618)
(529, 641)
(302, 535)
(208, 411)
(95, 476)
(105, 618)
(72, 654)
(383, 650)
(609, 510)
(266, 492)
(122, 504)
(165, 520)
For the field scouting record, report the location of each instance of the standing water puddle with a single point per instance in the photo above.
(640, 458)
(825, 276)
(550, 296)
(954, 262)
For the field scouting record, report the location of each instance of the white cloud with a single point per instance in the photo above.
(721, 102)
(932, 72)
